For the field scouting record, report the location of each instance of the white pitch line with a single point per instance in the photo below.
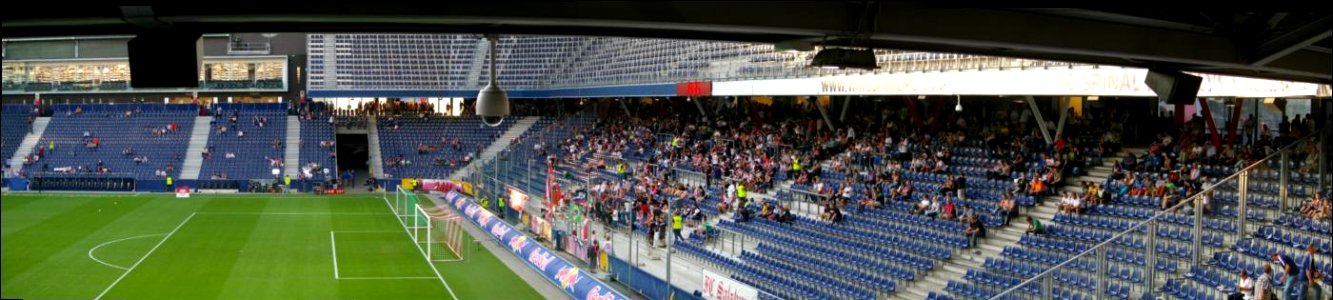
(145, 256)
(333, 246)
(423, 253)
(94, 249)
(288, 213)
(387, 278)
(192, 196)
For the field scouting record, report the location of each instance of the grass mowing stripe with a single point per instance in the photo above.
(145, 256)
(283, 257)
(26, 248)
(22, 212)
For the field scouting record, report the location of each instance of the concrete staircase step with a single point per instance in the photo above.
(1100, 173)
(29, 141)
(514, 132)
(376, 157)
(199, 136)
(292, 154)
(915, 293)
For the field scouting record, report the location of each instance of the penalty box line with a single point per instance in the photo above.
(333, 248)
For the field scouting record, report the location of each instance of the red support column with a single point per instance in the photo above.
(1180, 115)
(1208, 117)
(912, 107)
(1235, 120)
(937, 115)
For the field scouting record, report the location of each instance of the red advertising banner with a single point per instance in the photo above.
(694, 89)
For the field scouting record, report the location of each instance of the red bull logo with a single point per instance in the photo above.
(567, 277)
(596, 294)
(540, 259)
(483, 218)
(499, 231)
(517, 242)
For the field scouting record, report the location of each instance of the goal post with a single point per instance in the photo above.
(403, 205)
(438, 233)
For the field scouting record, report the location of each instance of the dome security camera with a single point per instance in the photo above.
(492, 105)
(492, 102)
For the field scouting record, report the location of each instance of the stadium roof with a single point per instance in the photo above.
(1291, 45)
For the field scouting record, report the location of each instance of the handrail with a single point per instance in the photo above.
(1133, 229)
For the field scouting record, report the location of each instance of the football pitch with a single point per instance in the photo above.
(90, 246)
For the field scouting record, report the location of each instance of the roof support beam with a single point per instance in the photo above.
(1285, 44)
(1069, 35)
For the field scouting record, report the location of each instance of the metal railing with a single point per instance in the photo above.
(1149, 228)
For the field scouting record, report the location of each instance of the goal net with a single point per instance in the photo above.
(437, 232)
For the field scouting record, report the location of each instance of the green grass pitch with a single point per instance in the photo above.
(86, 246)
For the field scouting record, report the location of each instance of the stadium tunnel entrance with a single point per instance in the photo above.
(354, 154)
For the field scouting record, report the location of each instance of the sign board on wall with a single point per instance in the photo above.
(1101, 81)
(694, 89)
(517, 199)
(718, 287)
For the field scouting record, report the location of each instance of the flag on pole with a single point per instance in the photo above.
(586, 224)
(552, 191)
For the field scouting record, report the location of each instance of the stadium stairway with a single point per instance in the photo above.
(998, 238)
(30, 141)
(989, 247)
(515, 131)
(376, 158)
(478, 64)
(292, 156)
(194, 160)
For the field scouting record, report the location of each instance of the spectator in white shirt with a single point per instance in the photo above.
(1244, 288)
(934, 209)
